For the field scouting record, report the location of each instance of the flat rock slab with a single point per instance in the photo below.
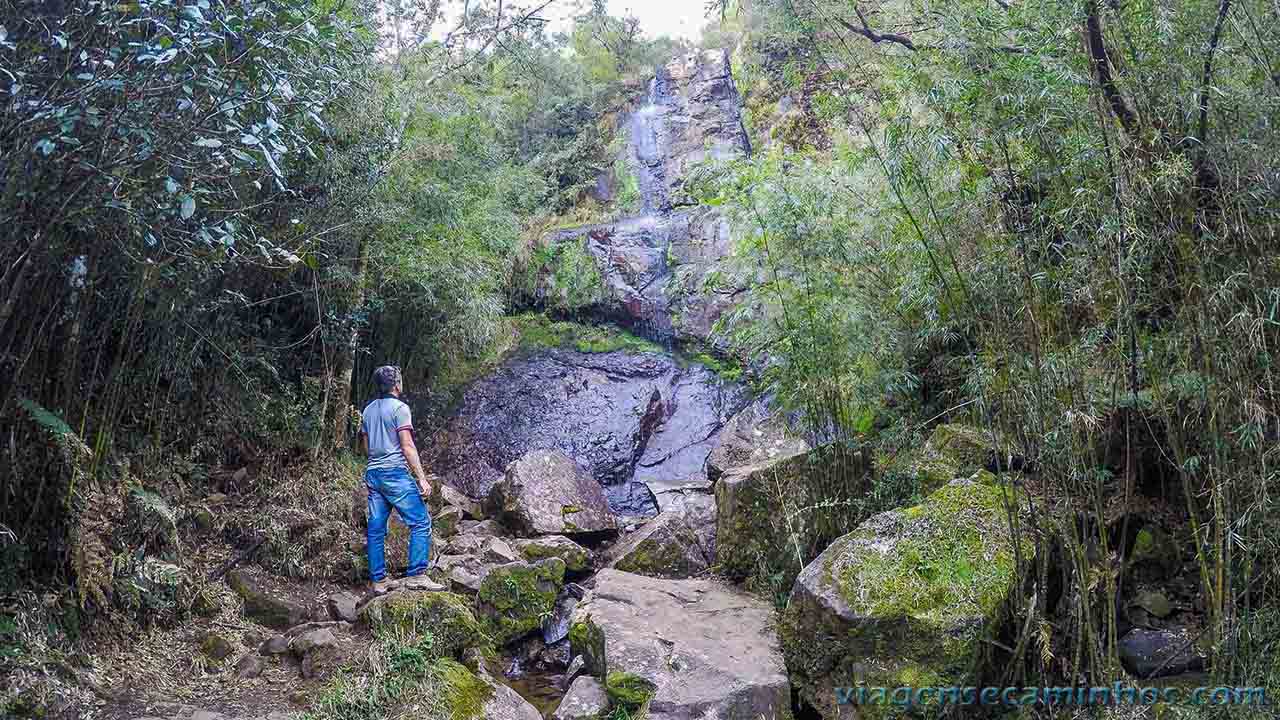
(709, 649)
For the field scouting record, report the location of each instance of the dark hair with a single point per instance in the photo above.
(386, 378)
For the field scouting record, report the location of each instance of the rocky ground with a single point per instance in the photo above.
(557, 607)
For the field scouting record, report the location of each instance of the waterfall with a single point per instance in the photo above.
(647, 145)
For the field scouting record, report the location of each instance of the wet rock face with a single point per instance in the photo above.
(667, 272)
(627, 418)
(667, 276)
(693, 112)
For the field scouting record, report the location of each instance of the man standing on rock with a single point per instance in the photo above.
(386, 436)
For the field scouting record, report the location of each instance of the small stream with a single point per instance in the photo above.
(541, 688)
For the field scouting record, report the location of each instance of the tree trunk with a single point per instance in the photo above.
(345, 354)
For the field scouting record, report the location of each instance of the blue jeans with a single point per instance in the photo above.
(396, 488)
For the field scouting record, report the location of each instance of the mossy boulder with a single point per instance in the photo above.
(464, 694)
(264, 601)
(515, 598)
(577, 559)
(1156, 549)
(909, 598)
(475, 695)
(446, 616)
(216, 647)
(678, 543)
(766, 513)
(951, 451)
(972, 448)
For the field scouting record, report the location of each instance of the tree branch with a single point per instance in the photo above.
(875, 37)
(1101, 63)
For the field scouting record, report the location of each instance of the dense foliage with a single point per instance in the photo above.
(222, 212)
(1057, 221)
(969, 212)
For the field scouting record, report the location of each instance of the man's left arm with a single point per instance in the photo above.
(410, 451)
(404, 430)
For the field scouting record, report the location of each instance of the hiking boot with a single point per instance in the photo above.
(421, 582)
(382, 587)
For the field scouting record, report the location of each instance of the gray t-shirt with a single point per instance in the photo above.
(383, 419)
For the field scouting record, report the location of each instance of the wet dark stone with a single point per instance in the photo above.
(1159, 653)
(625, 417)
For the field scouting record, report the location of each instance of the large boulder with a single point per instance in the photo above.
(707, 650)
(514, 598)
(756, 435)
(909, 598)
(951, 451)
(407, 613)
(678, 543)
(776, 516)
(546, 493)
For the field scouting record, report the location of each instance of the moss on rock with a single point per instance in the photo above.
(587, 639)
(577, 559)
(951, 451)
(216, 647)
(628, 690)
(514, 598)
(261, 603)
(444, 616)
(1153, 546)
(770, 513)
(667, 547)
(907, 599)
(464, 692)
